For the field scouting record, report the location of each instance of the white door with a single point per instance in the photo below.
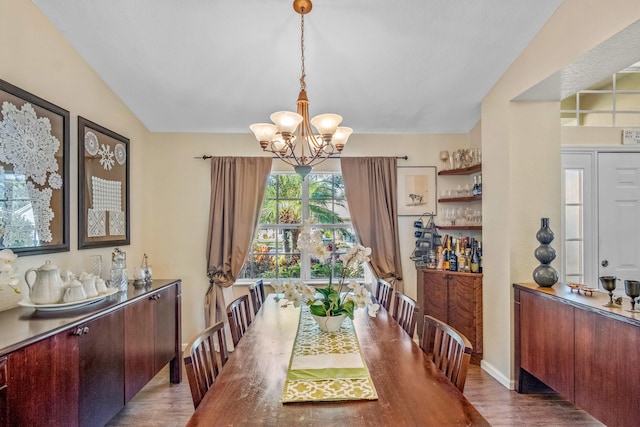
(619, 216)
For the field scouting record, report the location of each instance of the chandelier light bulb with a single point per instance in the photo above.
(326, 124)
(264, 132)
(286, 121)
(341, 136)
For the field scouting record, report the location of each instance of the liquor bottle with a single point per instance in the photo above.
(475, 259)
(439, 258)
(479, 184)
(475, 186)
(453, 259)
(479, 257)
(447, 252)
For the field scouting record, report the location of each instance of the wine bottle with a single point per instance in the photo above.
(475, 186)
(453, 260)
(479, 184)
(475, 260)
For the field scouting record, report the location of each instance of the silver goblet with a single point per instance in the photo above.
(609, 285)
(632, 289)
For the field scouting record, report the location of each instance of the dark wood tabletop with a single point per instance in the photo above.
(411, 391)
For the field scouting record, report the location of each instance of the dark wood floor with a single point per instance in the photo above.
(163, 404)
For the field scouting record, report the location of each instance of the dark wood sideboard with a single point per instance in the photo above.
(454, 298)
(587, 353)
(80, 367)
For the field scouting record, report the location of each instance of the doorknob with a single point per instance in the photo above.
(604, 263)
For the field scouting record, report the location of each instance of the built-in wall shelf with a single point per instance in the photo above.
(462, 171)
(460, 199)
(459, 227)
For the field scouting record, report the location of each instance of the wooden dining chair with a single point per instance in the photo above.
(384, 292)
(256, 292)
(239, 317)
(405, 312)
(449, 349)
(203, 362)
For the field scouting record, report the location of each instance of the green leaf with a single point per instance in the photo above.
(318, 310)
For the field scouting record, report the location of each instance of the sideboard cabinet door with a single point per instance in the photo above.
(42, 383)
(139, 344)
(456, 299)
(101, 394)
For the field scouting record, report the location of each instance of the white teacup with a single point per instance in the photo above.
(74, 292)
(89, 285)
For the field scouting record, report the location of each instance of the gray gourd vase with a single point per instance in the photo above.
(544, 274)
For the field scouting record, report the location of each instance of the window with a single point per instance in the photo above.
(614, 101)
(578, 231)
(288, 202)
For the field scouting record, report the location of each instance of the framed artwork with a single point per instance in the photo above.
(103, 186)
(34, 173)
(417, 192)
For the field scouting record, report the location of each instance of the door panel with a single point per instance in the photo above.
(619, 215)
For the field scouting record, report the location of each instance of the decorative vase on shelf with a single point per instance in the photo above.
(329, 323)
(544, 274)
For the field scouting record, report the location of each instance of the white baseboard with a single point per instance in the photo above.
(491, 370)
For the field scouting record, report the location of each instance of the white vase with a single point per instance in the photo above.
(8, 297)
(329, 323)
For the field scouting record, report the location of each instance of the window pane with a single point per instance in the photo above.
(289, 186)
(628, 119)
(573, 219)
(289, 266)
(573, 186)
(290, 212)
(573, 262)
(321, 186)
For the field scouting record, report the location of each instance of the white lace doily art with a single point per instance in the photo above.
(116, 223)
(96, 223)
(26, 142)
(42, 212)
(121, 153)
(106, 194)
(91, 143)
(106, 157)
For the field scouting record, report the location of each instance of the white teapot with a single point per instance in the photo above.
(47, 287)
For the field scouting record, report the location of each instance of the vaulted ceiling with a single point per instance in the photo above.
(409, 66)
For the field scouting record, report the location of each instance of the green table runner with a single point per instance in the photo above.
(326, 365)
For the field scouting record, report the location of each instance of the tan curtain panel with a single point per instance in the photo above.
(371, 190)
(237, 189)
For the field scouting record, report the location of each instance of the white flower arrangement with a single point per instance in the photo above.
(7, 270)
(329, 301)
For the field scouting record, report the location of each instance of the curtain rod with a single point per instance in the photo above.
(208, 156)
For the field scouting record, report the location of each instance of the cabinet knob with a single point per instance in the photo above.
(77, 332)
(85, 330)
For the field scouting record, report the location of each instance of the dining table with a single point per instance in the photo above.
(411, 391)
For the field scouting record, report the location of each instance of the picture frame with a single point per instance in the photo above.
(417, 190)
(34, 173)
(103, 186)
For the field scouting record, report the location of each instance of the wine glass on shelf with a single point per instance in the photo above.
(609, 285)
(632, 289)
(444, 156)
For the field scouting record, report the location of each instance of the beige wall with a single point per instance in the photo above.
(35, 57)
(521, 165)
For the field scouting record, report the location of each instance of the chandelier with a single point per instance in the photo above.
(291, 138)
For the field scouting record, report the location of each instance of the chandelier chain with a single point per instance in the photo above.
(303, 85)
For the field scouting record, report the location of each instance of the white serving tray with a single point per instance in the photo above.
(68, 305)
